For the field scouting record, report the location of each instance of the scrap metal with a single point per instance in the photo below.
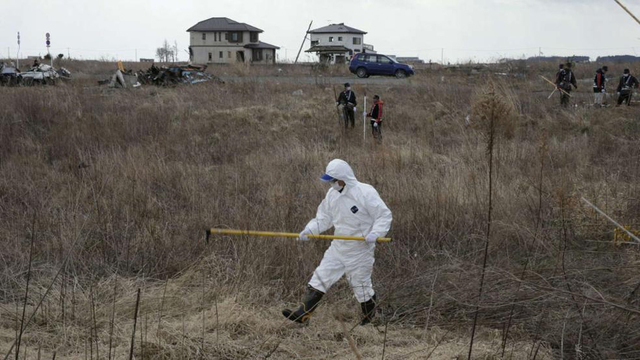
(42, 74)
(174, 75)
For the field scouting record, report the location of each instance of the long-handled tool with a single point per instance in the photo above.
(285, 235)
(553, 92)
(340, 116)
(551, 82)
(364, 118)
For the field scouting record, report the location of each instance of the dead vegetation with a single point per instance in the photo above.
(116, 189)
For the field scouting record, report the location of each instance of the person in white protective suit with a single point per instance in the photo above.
(353, 209)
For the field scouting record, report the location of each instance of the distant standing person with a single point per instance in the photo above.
(376, 117)
(347, 104)
(564, 82)
(599, 85)
(628, 82)
(560, 67)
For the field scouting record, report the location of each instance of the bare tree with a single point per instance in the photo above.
(165, 53)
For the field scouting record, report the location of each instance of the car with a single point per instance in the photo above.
(365, 65)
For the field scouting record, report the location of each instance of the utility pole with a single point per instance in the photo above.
(18, 54)
(48, 36)
(68, 54)
(303, 40)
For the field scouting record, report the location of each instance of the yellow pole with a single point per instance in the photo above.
(628, 11)
(551, 82)
(287, 235)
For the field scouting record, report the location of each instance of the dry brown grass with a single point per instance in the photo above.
(125, 182)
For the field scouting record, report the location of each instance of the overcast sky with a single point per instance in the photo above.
(477, 30)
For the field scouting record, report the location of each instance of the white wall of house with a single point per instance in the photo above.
(217, 54)
(217, 47)
(337, 39)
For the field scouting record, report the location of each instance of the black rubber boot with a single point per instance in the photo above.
(368, 310)
(309, 304)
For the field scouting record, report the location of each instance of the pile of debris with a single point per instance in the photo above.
(39, 74)
(121, 78)
(159, 76)
(173, 75)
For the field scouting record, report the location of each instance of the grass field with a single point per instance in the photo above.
(113, 189)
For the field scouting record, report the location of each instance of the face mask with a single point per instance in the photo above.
(336, 186)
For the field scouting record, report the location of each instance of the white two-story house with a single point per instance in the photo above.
(220, 40)
(336, 43)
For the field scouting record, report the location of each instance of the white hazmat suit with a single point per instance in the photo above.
(357, 210)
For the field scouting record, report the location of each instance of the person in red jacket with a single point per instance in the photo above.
(376, 117)
(599, 85)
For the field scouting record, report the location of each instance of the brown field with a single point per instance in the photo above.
(114, 189)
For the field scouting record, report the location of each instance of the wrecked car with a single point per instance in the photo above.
(42, 74)
(9, 75)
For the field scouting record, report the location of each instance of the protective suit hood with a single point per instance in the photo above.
(340, 170)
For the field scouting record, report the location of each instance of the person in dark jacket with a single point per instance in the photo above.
(376, 117)
(560, 67)
(564, 82)
(599, 85)
(347, 104)
(627, 83)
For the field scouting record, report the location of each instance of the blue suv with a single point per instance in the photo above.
(364, 65)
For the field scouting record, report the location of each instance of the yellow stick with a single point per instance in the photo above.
(287, 235)
(551, 82)
(628, 11)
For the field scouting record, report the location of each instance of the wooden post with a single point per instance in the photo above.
(135, 321)
(303, 40)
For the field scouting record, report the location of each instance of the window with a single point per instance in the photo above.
(210, 56)
(384, 60)
(357, 41)
(330, 38)
(229, 53)
(221, 55)
(339, 38)
(226, 36)
(369, 58)
(204, 36)
(314, 43)
(254, 37)
(215, 36)
(235, 37)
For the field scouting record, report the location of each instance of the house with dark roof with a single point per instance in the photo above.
(336, 43)
(220, 40)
